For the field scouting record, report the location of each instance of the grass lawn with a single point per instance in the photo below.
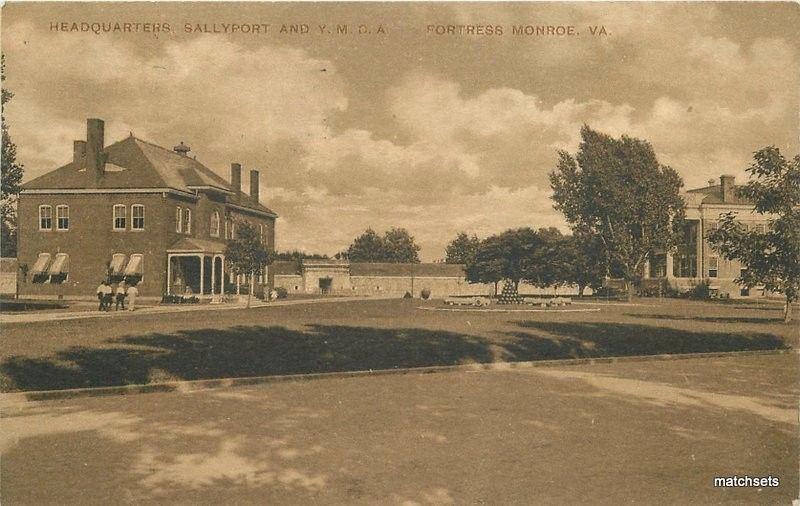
(370, 334)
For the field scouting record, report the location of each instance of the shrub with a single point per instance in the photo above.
(282, 292)
(700, 291)
(425, 293)
(407, 295)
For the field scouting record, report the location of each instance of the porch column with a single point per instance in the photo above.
(169, 274)
(213, 274)
(222, 276)
(202, 274)
(700, 259)
(669, 265)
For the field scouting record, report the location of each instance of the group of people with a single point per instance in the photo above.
(107, 296)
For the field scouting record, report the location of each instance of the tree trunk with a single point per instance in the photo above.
(630, 287)
(495, 288)
(581, 288)
(787, 311)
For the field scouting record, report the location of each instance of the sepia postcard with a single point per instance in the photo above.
(411, 253)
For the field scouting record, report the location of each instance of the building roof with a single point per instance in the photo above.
(191, 244)
(416, 270)
(135, 163)
(713, 195)
(285, 267)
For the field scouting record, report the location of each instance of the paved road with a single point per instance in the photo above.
(652, 432)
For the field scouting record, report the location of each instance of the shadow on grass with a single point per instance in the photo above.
(711, 319)
(554, 340)
(260, 350)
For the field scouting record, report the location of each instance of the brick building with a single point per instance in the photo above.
(134, 211)
(696, 261)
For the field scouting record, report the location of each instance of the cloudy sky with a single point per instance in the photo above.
(435, 133)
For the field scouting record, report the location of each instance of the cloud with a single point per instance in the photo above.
(434, 147)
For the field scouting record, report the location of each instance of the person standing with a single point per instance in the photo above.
(108, 295)
(101, 291)
(120, 299)
(132, 293)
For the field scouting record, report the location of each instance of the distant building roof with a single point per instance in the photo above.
(285, 267)
(416, 270)
(713, 195)
(134, 163)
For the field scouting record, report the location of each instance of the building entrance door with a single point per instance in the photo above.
(325, 285)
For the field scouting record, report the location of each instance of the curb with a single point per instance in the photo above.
(491, 310)
(210, 384)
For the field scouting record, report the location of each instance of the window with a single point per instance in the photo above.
(120, 214)
(59, 270)
(178, 220)
(215, 224)
(137, 217)
(188, 227)
(45, 218)
(233, 230)
(261, 233)
(713, 267)
(62, 217)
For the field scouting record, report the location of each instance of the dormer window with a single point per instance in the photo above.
(45, 218)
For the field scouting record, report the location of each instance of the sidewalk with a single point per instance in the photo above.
(167, 308)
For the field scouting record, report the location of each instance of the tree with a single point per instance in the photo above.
(246, 254)
(617, 190)
(368, 247)
(396, 246)
(503, 256)
(399, 246)
(770, 258)
(584, 260)
(546, 266)
(462, 249)
(10, 178)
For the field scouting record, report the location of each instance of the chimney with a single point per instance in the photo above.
(95, 159)
(728, 183)
(236, 177)
(78, 153)
(254, 185)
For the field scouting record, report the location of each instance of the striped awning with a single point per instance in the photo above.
(42, 262)
(135, 265)
(60, 265)
(117, 265)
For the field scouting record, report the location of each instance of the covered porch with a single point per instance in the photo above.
(196, 268)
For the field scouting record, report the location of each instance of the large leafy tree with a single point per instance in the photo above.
(462, 249)
(399, 246)
(10, 178)
(368, 247)
(617, 190)
(546, 265)
(246, 254)
(504, 256)
(585, 262)
(771, 258)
